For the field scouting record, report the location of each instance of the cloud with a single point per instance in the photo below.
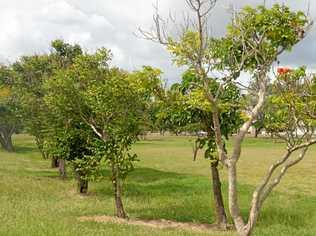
(28, 28)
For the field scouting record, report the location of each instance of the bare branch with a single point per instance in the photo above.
(158, 33)
(264, 189)
(277, 180)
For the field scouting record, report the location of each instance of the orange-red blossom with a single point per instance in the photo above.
(283, 70)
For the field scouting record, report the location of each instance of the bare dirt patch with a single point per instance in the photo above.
(159, 224)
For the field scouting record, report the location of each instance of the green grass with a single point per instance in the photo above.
(166, 184)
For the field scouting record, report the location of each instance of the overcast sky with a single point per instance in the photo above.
(28, 26)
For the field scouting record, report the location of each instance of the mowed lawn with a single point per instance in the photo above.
(166, 184)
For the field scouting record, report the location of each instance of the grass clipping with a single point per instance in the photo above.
(159, 224)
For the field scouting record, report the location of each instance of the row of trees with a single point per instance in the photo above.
(80, 110)
(83, 111)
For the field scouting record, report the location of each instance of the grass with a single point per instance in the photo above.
(166, 184)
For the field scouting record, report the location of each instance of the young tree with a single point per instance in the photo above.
(72, 140)
(32, 72)
(192, 48)
(112, 103)
(255, 39)
(187, 109)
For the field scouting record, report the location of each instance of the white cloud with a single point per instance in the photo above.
(61, 12)
(29, 26)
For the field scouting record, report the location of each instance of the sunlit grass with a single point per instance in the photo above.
(166, 184)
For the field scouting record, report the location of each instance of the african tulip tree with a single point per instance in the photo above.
(255, 39)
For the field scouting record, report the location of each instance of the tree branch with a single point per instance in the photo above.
(254, 113)
(263, 190)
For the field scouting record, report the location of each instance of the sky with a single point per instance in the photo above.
(28, 27)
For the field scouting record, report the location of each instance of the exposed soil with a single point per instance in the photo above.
(160, 224)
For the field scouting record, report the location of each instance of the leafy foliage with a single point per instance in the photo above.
(258, 35)
(293, 106)
(106, 101)
(187, 108)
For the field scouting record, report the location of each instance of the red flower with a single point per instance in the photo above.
(283, 70)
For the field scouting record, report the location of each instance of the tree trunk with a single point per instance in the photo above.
(120, 212)
(6, 140)
(45, 156)
(62, 168)
(221, 218)
(256, 133)
(40, 145)
(233, 200)
(82, 184)
(54, 162)
(117, 186)
(244, 233)
(8, 144)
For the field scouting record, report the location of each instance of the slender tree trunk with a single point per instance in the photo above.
(256, 133)
(82, 184)
(6, 140)
(233, 200)
(117, 186)
(40, 146)
(45, 156)
(221, 218)
(54, 162)
(62, 168)
(8, 144)
(120, 212)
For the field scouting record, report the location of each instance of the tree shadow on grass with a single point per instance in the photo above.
(149, 175)
(144, 181)
(53, 173)
(154, 194)
(25, 149)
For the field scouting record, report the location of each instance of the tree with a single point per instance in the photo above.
(112, 103)
(73, 141)
(187, 108)
(9, 120)
(32, 72)
(255, 39)
(192, 48)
